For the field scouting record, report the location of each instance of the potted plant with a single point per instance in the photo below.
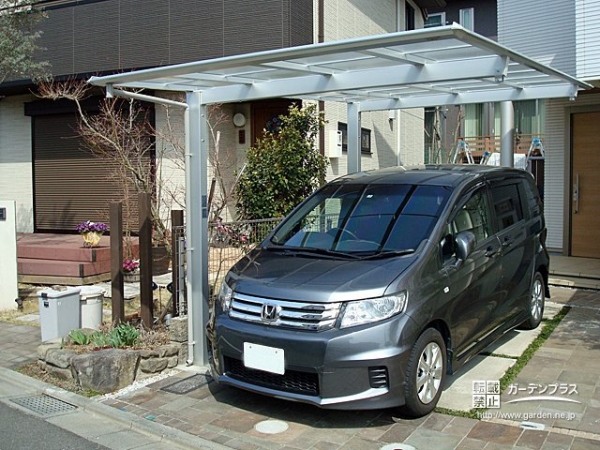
(91, 232)
(131, 270)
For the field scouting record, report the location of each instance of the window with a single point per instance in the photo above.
(467, 18)
(435, 20)
(365, 138)
(409, 17)
(473, 217)
(507, 205)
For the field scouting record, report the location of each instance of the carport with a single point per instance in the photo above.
(429, 67)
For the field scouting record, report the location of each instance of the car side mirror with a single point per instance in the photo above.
(465, 243)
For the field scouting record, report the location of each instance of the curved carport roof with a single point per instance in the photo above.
(419, 68)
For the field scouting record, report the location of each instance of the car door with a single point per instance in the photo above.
(517, 247)
(473, 284)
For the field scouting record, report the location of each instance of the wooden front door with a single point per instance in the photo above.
(585, 185)
(264, 112)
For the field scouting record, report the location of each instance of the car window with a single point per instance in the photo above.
(474, 216)
(371, 218)
(507, 204)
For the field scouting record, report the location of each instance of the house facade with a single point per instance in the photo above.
(567, 176)
(572, 195)
(57, 183)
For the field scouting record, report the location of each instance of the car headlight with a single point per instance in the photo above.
(224, 296)
(373, 309)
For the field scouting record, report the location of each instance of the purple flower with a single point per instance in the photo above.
(88, 225)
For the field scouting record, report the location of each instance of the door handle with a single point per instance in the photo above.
(576, 194)
(492, 252)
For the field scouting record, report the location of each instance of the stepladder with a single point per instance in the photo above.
(462, 149)
(536, 150)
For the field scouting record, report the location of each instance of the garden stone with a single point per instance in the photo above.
(178, 329)
(63, 374)
(153, 365)
(59, 358)
(43, 348)
(105, 370)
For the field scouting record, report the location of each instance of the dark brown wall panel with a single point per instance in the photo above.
(84, 37)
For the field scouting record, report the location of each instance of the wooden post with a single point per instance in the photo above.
(116, 262)
(176, 221)
(146, 295)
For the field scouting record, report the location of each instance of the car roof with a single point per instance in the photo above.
(430, 174)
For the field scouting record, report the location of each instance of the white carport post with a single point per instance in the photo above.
(353, 114)
(507, 133)
(196, 131)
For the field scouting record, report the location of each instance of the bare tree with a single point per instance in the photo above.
(142, 157)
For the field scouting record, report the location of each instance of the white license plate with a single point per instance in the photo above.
(260, 357)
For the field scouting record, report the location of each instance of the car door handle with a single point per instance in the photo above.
(492, 252)
(507, 242)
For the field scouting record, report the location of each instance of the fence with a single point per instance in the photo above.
(228, 243)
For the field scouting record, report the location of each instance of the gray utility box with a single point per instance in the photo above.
(59, 312)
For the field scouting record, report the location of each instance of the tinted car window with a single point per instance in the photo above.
(353, 218)
(507, 205)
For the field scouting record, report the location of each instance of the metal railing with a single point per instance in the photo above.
(228, 243)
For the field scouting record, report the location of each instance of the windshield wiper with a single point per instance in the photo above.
(311, 251)
(390, 253)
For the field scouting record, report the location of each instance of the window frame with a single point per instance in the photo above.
(365, 139)
(441, 15)
(466, 14)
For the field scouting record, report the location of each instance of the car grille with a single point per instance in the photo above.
(279, 313)
(292, 381)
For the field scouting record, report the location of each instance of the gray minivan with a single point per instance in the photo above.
(380, 283)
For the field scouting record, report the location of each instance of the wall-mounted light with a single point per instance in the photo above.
(239, 120)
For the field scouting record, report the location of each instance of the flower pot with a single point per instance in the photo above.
(131, 277)
(91, 238)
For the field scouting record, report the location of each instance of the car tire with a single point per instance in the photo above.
(535, 306)
(425, 374)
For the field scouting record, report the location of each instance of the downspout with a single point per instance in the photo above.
(321, 38)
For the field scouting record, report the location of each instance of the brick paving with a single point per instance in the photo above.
(228, 416)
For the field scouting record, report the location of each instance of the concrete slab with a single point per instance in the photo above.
(458, 393)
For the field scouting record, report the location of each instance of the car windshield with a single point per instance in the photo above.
(364, 219)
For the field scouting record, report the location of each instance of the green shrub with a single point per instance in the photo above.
(284, 167)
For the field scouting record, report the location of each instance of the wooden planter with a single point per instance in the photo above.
(161, 260)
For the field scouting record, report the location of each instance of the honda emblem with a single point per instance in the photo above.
(270, 312)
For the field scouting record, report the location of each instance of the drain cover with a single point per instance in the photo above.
(398, 447)
(44, 405)
(187, 384)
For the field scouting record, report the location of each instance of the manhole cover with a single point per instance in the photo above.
(271, 426)
(397, 447)
(44, 404)
(187, 384)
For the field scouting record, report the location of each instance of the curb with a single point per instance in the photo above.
(135, 423)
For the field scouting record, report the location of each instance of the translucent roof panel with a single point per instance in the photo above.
(427, 67)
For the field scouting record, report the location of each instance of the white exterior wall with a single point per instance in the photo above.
(540, 29)
(345, 19)
(587, 17)
(16, 166)
(170, 146)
